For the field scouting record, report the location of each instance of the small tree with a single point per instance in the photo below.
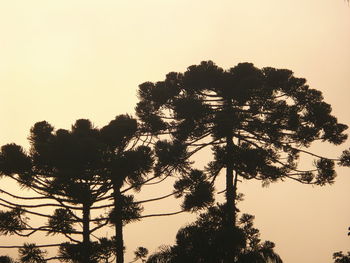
(339, 257)
(62, 166)
(68, 163)
(206, 239)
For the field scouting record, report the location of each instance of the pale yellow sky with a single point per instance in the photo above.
(64, 60)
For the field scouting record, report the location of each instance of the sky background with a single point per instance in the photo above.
(65, 60)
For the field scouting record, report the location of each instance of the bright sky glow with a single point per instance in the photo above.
(65, 60)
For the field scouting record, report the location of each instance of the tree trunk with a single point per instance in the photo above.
(118, 225)
(230, 189)
(86, 253)
(231, 184)
(231, 181)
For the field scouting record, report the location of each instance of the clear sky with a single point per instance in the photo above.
(64, 60)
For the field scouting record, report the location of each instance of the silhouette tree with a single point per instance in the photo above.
(71, 162)
(257, 122)
(63, 166)
(339, 257)
(127, 165)
(124, 163)
(206, 239)
(79, 169)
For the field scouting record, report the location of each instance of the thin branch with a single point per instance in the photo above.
(31, 206)
(38, 246)
(161, 180)
(70, 238)
(53, 258)
(157, 198)
(315, 155)
(99, 226)
(22, 197)
(166, 214)
(301, 181)
(27, 211)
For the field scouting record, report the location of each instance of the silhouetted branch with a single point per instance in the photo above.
(38, 246)
(23, 197)
(157, 198)
(165, 214)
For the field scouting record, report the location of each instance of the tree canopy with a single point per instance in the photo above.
(258, 122)
(77, 169)
(206, 240)
(89, 169)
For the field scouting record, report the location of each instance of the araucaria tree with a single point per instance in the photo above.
(125, 164)
(63, 168)
(78, 169)
(258, 122)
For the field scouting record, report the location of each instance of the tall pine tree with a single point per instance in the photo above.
(258, 122)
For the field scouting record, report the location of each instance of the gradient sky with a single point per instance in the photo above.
(69, 59)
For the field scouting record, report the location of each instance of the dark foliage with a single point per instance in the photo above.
(273, 114)
(78, 168)
(6, 259)
(103, 250)
(12, 221)
(258, 123)
(197, 191)
(206, 241)
(340, 257)
(141, 253)
(31, 254)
